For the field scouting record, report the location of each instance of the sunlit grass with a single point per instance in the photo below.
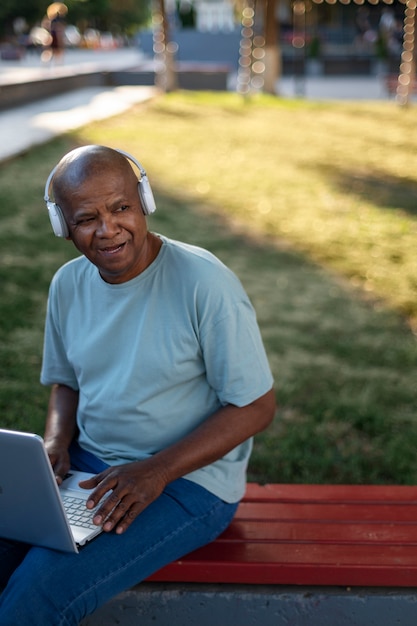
(338, 180)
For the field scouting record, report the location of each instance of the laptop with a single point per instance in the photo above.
(32, 506)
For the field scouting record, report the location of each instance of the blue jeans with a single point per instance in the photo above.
(60, 589)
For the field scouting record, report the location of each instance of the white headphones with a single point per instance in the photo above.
(58, 223)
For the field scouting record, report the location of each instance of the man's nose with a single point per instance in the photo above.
(107, 225)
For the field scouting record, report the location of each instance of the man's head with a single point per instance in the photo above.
(97, 192)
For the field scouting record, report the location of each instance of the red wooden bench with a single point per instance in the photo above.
(312, 535)
(301, 537)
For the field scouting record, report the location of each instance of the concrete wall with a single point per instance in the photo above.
(15, 94)
(176, 604)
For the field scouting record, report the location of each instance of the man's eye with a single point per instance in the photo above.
(84, 220)
(123, 207)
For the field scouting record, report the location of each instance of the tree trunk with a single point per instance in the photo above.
(168, 80)
(273, 63)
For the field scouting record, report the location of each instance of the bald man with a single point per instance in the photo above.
(159, 380)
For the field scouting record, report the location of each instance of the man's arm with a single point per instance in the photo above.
(136, 485)
(61, 428)
(215, 437)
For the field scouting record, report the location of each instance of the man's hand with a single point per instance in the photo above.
(60, 460)
(60, 428)
(133, 487)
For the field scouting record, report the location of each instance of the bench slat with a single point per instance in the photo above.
(342, 532)
(312, 535)
(330, 493)
(336, 555)
(353, 512)
(299, 574)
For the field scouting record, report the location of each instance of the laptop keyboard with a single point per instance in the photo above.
(77, 513)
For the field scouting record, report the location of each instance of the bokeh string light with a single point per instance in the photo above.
(405, 84)
(250, 77)
(244, 75)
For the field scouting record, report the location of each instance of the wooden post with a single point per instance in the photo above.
(272, 49)
(164, 49)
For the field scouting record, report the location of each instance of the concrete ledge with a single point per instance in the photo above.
(359, 66)
(196, 76)
(16, 94)
(177, 604)
(203, 76)
(330, 66)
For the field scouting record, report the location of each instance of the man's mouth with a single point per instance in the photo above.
(112, 249)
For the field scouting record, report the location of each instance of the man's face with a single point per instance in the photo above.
(107, 225)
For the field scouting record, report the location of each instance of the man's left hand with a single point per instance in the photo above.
(133, 487)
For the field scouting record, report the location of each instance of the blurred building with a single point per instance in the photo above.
(329, 37)
(341, 36)
(319, 36)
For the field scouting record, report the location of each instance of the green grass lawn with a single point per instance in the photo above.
(313, 206)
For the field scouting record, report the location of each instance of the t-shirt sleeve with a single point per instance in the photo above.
(56, 368)
(236, 362)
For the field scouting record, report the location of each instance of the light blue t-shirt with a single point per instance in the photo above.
(153, 357)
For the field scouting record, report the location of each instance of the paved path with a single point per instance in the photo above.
(26, 126)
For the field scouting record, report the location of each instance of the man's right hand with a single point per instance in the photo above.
(60, 428)
(60, 460)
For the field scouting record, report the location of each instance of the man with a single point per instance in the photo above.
(159, 380)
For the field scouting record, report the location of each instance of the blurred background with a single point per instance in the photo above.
(331, 37)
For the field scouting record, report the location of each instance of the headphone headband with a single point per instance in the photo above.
(57, 218)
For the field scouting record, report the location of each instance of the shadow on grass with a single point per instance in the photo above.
(388, 192)
(345, 368)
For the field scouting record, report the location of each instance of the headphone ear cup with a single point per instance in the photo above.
(146, 196)
(58, 223)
